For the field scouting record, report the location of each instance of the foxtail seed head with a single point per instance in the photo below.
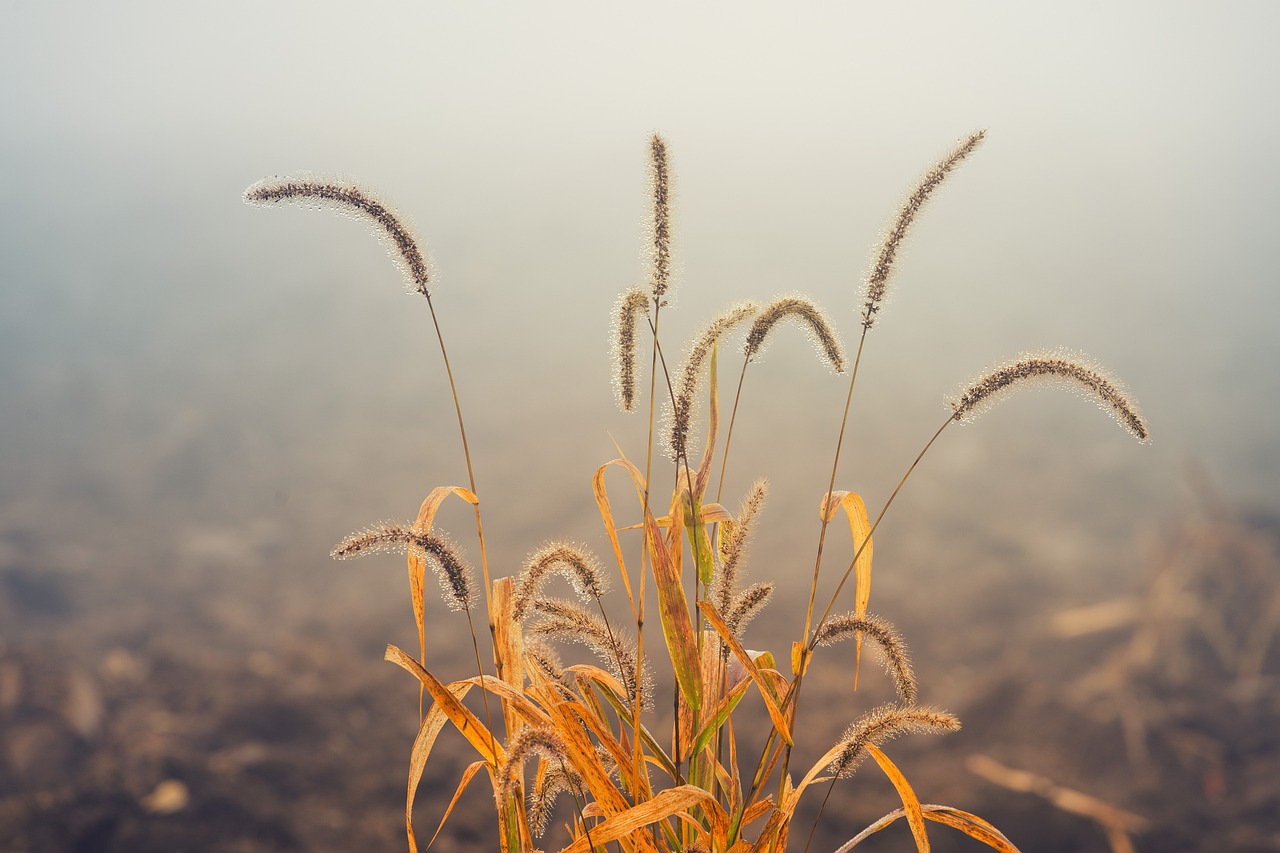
(681, 417)
(574, 562)
(893, 652)
(881, 725)
(530, 741)
(569, 621)
(877, 285)
(746, 606)
(450, 569)
(735, 539)
(631, 306)
(803, 310)
(353, 200)
(1057, 368)
(660, 222)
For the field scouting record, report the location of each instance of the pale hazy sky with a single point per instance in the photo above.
(1123, 204)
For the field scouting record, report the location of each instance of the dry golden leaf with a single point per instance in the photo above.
(417, 563)
(673, 607)
(465, 721)
(910, 802)
(863, 546)
(462, 786)
(970, 824)
(663, 805)
(764, 686)
(428, 731)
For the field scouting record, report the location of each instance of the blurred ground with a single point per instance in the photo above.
(1150, 715)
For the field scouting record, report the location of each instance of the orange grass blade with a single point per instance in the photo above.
(418, 564)
(465, 721)
(606, 515)
(859, 531)
(432, 723)
(666, 803)
(910, 802)
(673, 607)
(462, 786)
(970, 824)
(764, 686)
(710, 513)
(713, 426)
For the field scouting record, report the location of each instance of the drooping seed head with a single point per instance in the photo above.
(574, 562)
(877, 284)
(888, 644)
(809, 315)
(533, 740)
(350, 199)
(569, 621)
(450, 569)
(631, 306)
(560, 778)
(680, 417)
(883, 724)
(1068, 370)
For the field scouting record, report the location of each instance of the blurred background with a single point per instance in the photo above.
(200, 398)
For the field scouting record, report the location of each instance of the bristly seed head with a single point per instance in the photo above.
(735, 537)
(809, 315)
(346, 197)
(569, 621)
(631, 306)
(450, 569)
(746, 606)
(681, 417)
(892, 651)
(883, 724)
(660, 223)
(533, 740)
(882, 267)
(1069, 370)
(573, 561)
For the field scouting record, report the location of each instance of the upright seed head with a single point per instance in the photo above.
(746, 606)
(809, 315)
(660, 222)
(882, 725)
(735, 537)
(681, 416)
(631, 306)
(353, 200)
(1058, 367)
(877, 284)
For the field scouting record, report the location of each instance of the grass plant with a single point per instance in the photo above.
(583, 734)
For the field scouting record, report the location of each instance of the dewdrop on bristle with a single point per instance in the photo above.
(323, 192)
(1071, 371)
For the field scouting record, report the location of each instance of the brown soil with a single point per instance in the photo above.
(1153, 715)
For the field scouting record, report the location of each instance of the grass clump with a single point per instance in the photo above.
(582, 733)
